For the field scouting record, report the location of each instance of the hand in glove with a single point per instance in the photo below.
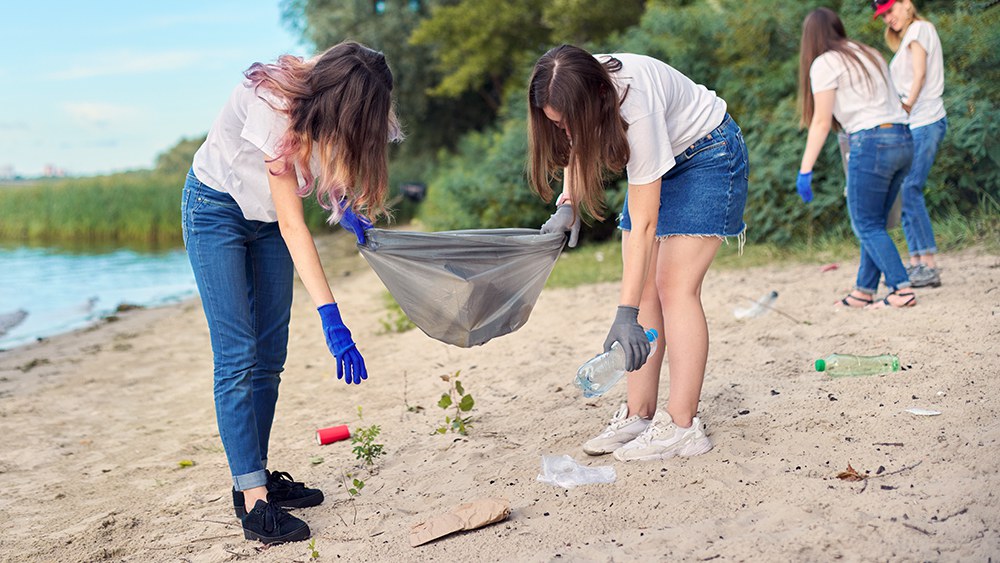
(803, 184)
(350, 364)
(563, 220)
(357, 224)
(630, 336)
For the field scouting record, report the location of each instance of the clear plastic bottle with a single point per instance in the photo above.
(604, 370)
(846, 365)
(759, 307)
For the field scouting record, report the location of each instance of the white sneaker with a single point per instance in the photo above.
(663, 439)
(620, 431)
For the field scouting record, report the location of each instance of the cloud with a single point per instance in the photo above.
(124, 63)
(99, 115)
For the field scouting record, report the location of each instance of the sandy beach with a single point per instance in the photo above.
(94, 426)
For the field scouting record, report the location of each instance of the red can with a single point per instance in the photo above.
(333, 434)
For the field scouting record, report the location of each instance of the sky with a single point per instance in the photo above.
(100, 87)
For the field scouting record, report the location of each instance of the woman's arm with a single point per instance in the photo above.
(919, 57)
(643, 208)
(819, 128)
(298, 239)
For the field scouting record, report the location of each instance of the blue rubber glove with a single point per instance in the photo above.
(350, 364)
(803, 184)
(563, 220)
(357, 224)
(628, 333)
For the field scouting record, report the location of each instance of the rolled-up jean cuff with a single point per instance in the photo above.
(250, 480)
(866, 290)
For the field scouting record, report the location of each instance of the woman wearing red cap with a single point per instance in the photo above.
(917, 71)
(846, 83)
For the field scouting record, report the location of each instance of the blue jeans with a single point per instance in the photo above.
(704, 194)
(244, 275)
(880, 159)
(916, 222)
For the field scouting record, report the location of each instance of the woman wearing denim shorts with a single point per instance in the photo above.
(687, 171)
(290, 128)
(917, 71)
(847, 81)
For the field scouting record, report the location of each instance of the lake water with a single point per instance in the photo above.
(45, 291)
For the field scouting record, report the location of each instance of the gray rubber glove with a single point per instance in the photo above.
(563, 220)
(630, 336)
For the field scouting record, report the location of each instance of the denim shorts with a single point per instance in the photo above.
(704, 194)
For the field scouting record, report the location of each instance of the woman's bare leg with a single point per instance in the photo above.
(682, 263)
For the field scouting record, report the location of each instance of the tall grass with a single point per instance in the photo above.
(132, 207)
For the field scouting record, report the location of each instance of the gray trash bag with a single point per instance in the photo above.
(464, 287)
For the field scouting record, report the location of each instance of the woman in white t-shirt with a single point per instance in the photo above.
(847, 81)
(291, 128)
(687, 171)
(917, 71)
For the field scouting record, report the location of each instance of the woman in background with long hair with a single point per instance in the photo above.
(847, 81)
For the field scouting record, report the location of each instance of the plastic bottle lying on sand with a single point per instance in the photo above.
(846, 365)
(759, 307)
(604, 370)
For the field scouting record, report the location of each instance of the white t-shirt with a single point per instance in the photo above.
(666, 112)
(231, 160)
(929, 107)
(859, 103)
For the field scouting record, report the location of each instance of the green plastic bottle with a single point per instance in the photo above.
(846, 365)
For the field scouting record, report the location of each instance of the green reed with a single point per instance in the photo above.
(131, 207)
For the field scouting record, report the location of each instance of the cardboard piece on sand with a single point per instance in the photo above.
(468, 516)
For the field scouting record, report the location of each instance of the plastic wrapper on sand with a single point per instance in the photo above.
(564, 471)
(464, 287)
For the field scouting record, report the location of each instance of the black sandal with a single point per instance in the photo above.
(865, 302)
(912, 301)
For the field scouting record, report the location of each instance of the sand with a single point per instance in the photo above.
(94, 425)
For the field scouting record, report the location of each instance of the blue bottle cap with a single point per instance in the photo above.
(651, 334)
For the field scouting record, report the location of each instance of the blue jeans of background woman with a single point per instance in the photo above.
(880, 160)
(244, 275)
(916, 221)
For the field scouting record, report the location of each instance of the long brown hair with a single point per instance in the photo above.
(572, 82)
(823, 31)
(894, 38)
(341, 101)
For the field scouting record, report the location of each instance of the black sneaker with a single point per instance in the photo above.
(270, 524)
(283, 491)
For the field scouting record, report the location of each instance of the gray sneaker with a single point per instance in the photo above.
(663, 439)
(912, 269)
(925, 277)
(622, 430)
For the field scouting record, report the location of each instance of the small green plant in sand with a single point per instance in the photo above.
(313, 552)
(365, 447)
(395, 320)
(456, 398)
(353, 486)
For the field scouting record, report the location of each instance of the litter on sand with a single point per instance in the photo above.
(468, 516)
(922, 412)
(563, 471)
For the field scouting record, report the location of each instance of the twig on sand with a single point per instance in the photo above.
(900, 470)
(960, 512)
(226, 524)
(780, 312)
(887, 443)
(921, 530)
